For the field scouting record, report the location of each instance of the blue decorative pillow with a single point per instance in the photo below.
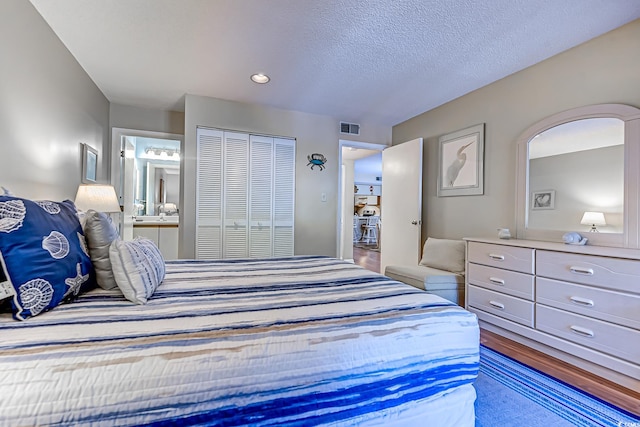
(43, 253)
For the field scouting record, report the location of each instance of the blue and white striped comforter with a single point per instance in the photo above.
(298, 341)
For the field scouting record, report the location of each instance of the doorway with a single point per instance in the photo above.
(360, 186)
(146, 174)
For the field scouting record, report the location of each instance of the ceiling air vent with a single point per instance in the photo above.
(350, 128)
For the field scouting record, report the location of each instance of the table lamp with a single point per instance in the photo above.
(99, 197)
(593, 219)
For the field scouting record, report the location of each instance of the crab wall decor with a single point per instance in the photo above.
(316, 159)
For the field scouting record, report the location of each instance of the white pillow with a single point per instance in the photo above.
(138, 268)
(444, 254)
(100, 232)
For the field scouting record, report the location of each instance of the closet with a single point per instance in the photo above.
(245, 195)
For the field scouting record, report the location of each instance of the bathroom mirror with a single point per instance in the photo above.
(157, 176)
(576, 173)
(162, 192)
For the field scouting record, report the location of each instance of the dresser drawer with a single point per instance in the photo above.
(508, 307)
(612, 273)
(611, 306)
(602, 336)
(505, 281)
(507, 257)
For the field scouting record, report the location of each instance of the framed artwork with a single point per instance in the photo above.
(461, 162)
(89, 164)
(544, 199)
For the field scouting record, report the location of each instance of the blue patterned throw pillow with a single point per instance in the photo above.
(43, 254)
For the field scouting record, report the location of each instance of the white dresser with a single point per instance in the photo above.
(580, 304)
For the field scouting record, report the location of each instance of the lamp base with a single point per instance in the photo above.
(593, 229)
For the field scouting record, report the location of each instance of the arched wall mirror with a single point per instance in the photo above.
(579, 170)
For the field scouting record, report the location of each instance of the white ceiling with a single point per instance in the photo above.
(354, 153)
(366, 162)
(367, 167)
(379, 61)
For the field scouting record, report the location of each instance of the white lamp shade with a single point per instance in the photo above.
(593, 218)
(100, 198)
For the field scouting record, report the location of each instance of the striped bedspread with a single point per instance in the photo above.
(300, 341)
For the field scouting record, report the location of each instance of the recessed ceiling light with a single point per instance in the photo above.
(260, 78)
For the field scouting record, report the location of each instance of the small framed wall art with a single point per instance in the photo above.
(544, 199)
(89, 164)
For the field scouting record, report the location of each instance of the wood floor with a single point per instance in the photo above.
(608, 391)
(626, 399)
(367, 259)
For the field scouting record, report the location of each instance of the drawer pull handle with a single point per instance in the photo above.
(580, 270)
(496, 281)
(497, 305)
(496, 257)
(582, 301)
(583, 332)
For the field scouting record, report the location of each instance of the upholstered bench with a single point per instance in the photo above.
(440, 272)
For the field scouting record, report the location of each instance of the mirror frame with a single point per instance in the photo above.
(630, 237)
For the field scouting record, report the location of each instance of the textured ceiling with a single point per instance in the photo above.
(380, 61)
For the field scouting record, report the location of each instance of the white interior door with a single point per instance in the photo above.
(236, 187)
(209, 194)
(260, 196)
(128, 187)
(284, 196)
(401, 213)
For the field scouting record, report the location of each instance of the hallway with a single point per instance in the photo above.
(367, 259)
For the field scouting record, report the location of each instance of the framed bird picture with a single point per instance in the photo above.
(461, 162)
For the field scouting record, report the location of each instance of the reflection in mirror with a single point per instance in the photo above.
(157, 172)
(577, 167)
(163, 187)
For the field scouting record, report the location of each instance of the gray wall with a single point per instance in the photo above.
(48, 106)
(139, 118)
(590, 180)
(603, 70)
(172, 186)
(316, 221)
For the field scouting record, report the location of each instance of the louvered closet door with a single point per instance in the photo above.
(284, 159)
(236, 183)
(209, 194)
(261, 197)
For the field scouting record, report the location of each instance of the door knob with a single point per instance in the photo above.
(414, 222)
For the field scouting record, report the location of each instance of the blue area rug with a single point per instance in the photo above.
(512, 394)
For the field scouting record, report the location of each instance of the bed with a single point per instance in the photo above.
(298, 341)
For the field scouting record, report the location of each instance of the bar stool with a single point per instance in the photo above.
(370, 234)
(357, 231)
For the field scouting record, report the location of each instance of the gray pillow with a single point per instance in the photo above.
(100, 232)
(444, 254)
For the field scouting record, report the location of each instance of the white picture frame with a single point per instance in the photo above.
(461, 162)
(543, 200)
